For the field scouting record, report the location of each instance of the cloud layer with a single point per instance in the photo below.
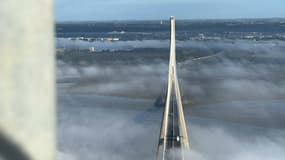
(236, 102)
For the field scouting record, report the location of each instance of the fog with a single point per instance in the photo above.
(99, 127)
(217, 143)
(224, 78)
(233, 105)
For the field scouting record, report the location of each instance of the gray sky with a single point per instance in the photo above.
(80, 10)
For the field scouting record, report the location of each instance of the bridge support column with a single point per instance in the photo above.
(173, 133)
(27, 80)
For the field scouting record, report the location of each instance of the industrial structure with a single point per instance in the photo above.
(173, 140)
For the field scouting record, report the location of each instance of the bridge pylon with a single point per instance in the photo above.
(173, 138)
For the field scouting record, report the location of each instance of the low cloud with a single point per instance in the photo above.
(222, 79)
(215, 143)
(108, 132)
(222, 126)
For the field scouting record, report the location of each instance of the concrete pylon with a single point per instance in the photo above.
(27, 80)
(173, 133)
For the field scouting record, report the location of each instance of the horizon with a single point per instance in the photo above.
(166, 19)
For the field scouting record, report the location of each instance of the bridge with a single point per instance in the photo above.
(173, 140)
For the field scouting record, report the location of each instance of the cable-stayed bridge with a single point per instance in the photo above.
(173, 140)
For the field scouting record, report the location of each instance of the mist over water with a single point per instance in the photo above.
(231, 72)
(98, 127)
(233, 100)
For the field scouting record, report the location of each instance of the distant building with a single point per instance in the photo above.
(92, 49)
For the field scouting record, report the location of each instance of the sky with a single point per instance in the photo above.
(101, 10)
